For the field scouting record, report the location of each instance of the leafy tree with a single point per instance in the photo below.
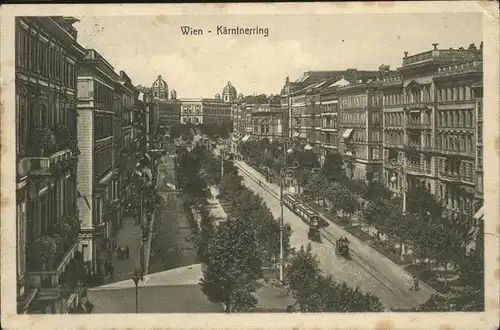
(332, 167)
(301, 277)
(233, 263)
(207, 231)
(316, 293)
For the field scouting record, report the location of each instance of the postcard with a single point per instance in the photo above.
(267, 166)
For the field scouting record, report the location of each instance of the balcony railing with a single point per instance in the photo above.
(40, 166)
(393, 145)
(418, 125)
(456, 177)
(417, 169)
(49, 279)
(471, 67)
(419, 105)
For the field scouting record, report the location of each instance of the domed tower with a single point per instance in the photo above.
(217, 96)
(173, 95)
(159, 89)
(229, 93)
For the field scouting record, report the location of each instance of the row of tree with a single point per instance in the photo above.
(424, 226)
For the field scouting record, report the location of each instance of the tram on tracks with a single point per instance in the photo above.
(342, 247)
(306, 214)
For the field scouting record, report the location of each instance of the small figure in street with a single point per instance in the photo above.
(119, 253)
(114, 245)
(415, 283)
(127, 252)
(111, 270)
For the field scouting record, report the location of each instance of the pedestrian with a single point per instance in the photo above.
(127, 252)
(111, 271)
(415, 283)
(114, 245)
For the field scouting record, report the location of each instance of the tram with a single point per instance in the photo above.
(342, 247)
(290, 202)
(311, 217)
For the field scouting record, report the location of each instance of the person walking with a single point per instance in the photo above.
(415, 283)
(111, 271)
(127, 252)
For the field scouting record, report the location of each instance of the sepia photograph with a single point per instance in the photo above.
(226, 160)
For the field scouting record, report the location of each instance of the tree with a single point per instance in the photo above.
(233, 263)
(316, 293)
(301, 278)
(333, 166)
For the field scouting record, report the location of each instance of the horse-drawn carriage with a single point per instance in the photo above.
(342, 247)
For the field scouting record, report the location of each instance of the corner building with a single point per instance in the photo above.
(47, 219)
(430, 127)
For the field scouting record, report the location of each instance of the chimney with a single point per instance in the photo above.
(435, 46)
(406, 54)
(472, 47)
(481, 46)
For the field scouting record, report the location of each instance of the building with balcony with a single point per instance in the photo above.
(124, 147)
(204, 111)
(360, 127)
(47, 218)
(97, 186)
(430, 125)
(313, 103)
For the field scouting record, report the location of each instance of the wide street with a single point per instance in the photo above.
(368, 270)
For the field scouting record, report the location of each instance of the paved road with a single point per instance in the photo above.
(173, 245)
(369, 270)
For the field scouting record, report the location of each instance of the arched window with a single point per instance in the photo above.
(460, 92)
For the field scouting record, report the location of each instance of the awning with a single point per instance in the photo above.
(479, 214)
(302, 135)
(245, 138)
(347, 133)
(296, 134)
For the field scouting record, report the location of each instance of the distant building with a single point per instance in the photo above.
(159, 89)
(167, 113)
(204, 111)
(229, 93)
(268, 121)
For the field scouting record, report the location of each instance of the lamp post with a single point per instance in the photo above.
(398, 169)
(283, 172)
(136, 277)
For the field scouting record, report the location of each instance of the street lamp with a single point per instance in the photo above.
(283, 172)
(398, 169)
(138, 275)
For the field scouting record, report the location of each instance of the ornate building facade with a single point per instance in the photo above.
(431, 126)
(47, 60)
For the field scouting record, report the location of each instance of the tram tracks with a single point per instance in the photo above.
(403, 295)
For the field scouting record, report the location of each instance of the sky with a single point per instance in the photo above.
(200, 66)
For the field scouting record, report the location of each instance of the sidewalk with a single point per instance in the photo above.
(130, 235)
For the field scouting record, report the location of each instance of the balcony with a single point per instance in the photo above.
(48, 280)
(456, 177)
(460, 69)
(417, 169)
(41, 166)
(413, 125)
(393, 145)
(420, 105)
